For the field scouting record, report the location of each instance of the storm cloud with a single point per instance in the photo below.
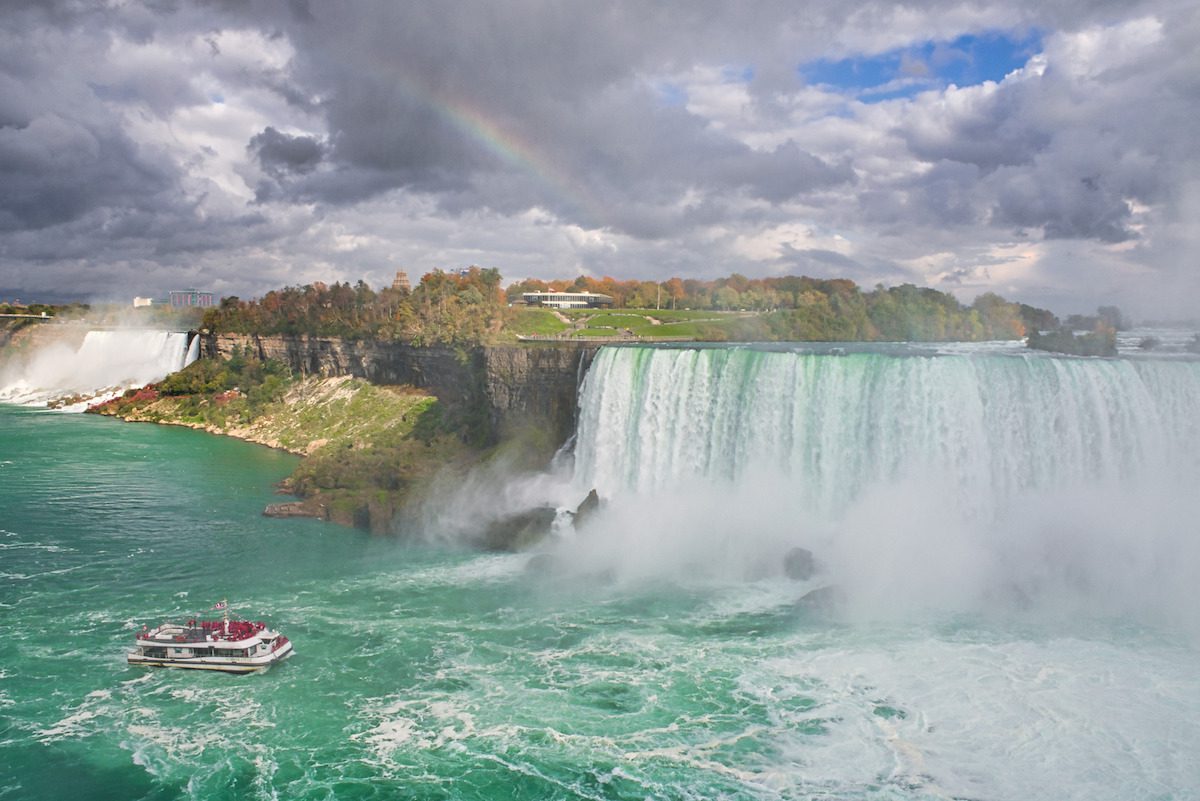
(1044, 151)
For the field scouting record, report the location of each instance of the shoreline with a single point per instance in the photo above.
(365, 451)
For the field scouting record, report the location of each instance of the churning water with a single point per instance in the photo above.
(1014, 540)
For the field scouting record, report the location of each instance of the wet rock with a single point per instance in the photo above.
(822, 599)
(799, 564)
(520, 531)
(292, 509)
(587, 509)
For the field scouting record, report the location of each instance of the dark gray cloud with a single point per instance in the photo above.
(181, 142)
(281, 154)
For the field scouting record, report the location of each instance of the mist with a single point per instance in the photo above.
(922, 486)
(90, 365)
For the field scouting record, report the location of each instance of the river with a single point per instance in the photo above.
(1037, 643)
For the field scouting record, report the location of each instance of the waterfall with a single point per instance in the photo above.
(104, 364)
(958, 472)
(992, 426)
(193, 350)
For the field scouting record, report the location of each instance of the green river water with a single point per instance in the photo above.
(440, 673)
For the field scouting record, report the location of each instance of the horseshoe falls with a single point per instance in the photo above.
(956, 482)
(1006, 560)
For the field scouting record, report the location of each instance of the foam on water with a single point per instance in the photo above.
(671, 660)
(1058, 718)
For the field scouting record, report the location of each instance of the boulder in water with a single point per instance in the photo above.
(822, 599)
(293, 509)
(799, 564)
(517, 532)
(587, 509)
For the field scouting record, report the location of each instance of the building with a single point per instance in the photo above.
(139, 302)
(401, 282)
(182, 298)
(567, 300)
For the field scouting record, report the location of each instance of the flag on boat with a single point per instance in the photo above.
(219, 605)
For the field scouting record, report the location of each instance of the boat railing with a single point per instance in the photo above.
(203, 630)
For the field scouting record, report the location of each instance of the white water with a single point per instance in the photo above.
(105, 364)
(952, 482)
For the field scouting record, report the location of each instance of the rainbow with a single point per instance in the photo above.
(517, 152)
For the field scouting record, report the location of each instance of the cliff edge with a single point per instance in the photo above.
(491, 390)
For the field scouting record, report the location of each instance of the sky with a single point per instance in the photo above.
(1046, 150)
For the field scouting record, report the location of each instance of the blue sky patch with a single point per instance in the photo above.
(738, 74)
(965, 61)
(671, 94)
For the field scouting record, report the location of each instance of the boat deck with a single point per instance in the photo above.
(204, 631)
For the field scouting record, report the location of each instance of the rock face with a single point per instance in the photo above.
(799, 564)
(290, 509)
(520, 531)
(534, 385)
(495, 388)
(823, 599)
(374, 516)
(587, 509)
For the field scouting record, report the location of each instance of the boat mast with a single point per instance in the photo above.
(225, 616)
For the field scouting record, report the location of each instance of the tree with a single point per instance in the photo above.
(726, 298)
(675, 291)
(1111, 316)
(999, 318)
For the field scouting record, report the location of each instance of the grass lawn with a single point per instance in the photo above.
(647, 323)
(529, 322)
(596, 332)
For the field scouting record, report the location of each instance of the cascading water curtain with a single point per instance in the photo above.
(990, 427)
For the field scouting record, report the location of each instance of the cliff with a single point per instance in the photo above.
(493, 390)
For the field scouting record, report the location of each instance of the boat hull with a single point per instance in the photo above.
(235, 665)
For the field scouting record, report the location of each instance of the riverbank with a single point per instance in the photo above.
(368, 450)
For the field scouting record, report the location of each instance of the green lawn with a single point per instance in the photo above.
(678, 315)
(596, 332)
(673, 323)
(535, 322)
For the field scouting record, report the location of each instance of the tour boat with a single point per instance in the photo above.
(231, 646)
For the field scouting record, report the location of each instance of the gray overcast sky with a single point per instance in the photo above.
(1043, 149)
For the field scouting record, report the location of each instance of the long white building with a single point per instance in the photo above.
(566, 300)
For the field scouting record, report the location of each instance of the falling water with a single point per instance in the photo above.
(920, 480)
(104, 364)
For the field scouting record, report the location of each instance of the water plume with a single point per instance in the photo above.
(103, 364)
(947, 483)
(474, 506)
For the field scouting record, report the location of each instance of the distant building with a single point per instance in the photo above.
(182, 298)
(401, 281)
(140, 302)
(567, 300)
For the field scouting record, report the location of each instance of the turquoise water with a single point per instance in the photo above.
(427, 673)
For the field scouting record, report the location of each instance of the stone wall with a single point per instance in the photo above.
(494, 389)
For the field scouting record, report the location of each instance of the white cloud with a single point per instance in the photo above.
(611, 139)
